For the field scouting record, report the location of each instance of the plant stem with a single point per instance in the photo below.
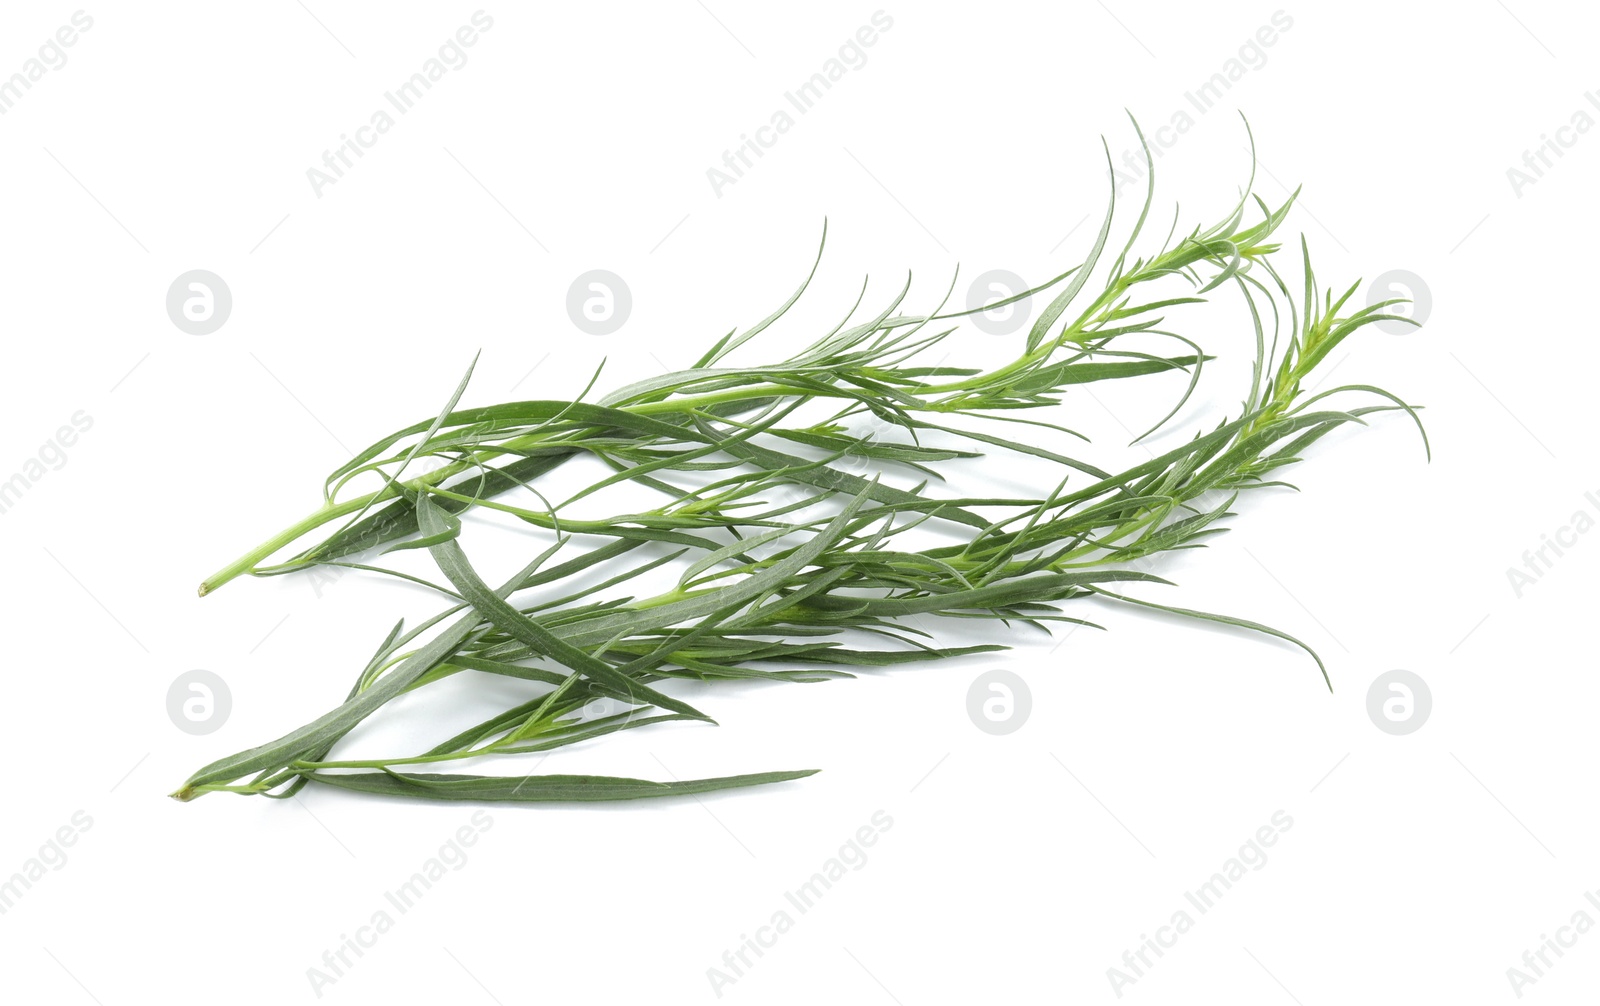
(247, 563)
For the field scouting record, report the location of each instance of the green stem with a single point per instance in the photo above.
(312, 766)
(247, 563)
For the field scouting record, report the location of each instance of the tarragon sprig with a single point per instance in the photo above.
(767, 586)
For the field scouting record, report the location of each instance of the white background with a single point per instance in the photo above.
(1018, 869)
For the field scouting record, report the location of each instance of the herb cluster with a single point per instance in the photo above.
(837, 576)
